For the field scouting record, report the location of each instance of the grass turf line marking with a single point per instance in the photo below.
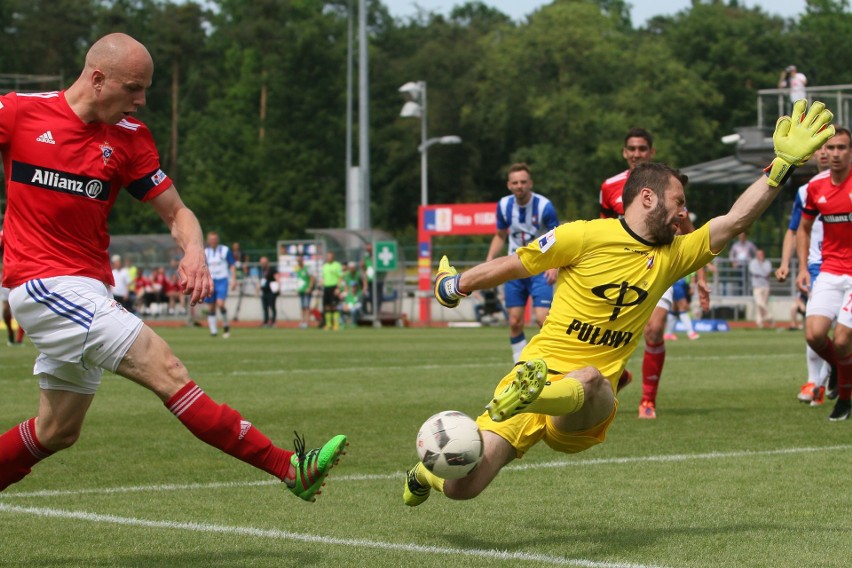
(397, 474)
(309, 538)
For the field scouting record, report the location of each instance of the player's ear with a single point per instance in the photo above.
(98, 79)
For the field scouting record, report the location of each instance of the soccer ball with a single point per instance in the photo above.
(449, 444)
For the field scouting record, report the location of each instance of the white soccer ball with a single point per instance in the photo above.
(449, 444)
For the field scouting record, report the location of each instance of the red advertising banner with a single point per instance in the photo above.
(454, 219)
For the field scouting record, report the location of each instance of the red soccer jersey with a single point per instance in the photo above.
(611, 189)
(834, 203)
(62, 178)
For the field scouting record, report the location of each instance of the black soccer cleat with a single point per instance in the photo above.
(831, 390)
(842, 409)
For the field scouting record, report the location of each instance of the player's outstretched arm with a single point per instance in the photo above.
(795, 139)
(451, 287)
(194, 277)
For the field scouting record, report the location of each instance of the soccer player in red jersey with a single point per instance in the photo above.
(66, 156)
(639, 148)
(831, 296)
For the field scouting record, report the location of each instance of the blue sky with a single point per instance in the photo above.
(642, 9)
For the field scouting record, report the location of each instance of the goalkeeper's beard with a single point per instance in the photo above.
(660, 229)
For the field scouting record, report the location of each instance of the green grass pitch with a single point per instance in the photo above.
(733, 473)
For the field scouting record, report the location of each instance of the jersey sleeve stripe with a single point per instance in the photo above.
(150, 185)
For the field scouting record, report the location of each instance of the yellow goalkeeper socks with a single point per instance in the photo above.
(559, 397)
(426, 477)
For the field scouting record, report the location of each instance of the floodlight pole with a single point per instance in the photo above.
(424, 159)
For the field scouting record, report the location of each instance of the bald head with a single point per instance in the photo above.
(116, 52)
(112, 85)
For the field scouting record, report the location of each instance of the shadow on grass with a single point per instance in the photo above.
(589, 542)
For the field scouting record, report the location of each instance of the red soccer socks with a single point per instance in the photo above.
(222, 427)
(20, 450)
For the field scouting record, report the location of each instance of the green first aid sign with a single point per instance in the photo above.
(387, 257)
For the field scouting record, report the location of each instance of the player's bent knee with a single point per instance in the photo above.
(815, 338)
(843, 340)
(151, 363)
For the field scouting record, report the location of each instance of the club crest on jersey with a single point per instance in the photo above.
(649, 264)
(106, 151)
(546, 240)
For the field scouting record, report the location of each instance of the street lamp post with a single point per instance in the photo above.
(416, 108)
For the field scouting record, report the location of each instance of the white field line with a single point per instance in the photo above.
(491, 555)
(500, 366)
(665, 458)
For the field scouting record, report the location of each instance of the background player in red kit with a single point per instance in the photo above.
(639, 148)
(831, 296)
(66, 156)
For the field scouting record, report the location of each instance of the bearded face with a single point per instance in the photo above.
(661, 229)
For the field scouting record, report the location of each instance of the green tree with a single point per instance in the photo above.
(45, 36)
(443, 52)
(823, 34)
(736, 50)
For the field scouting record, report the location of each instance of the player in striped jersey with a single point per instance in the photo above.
(223, 270)
(521, 217)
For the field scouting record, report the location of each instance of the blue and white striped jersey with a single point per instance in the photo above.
(219, 261)
(524, 223)
(815, 252)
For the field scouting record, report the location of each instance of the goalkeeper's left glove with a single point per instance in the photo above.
(797, 138)
(447, 285)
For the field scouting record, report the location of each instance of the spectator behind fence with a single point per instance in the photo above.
(353, 294)
(742, 251)
(305, 289)
(740, 254)
(795, 81)
(760, 268)
(332, 282)
(269, 289)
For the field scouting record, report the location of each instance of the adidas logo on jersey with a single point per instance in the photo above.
(47, 138)
(822, 199)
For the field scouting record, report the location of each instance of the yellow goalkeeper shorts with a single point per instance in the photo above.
(526, 429)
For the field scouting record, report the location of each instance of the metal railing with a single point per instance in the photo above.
(772, 103)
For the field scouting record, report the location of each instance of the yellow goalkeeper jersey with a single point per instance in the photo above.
(609, 283)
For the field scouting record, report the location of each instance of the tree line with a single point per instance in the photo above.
(248, 105)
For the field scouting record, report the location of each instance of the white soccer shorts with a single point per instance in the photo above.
(667, 300)
(831, 297)
(78, 328)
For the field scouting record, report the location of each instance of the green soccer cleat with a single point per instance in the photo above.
(312, 467)
(416, 490)
(528, 384)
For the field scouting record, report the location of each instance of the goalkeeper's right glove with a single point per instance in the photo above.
(797, 138)
(447, 285)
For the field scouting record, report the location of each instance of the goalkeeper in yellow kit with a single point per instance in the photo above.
(612, 272)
